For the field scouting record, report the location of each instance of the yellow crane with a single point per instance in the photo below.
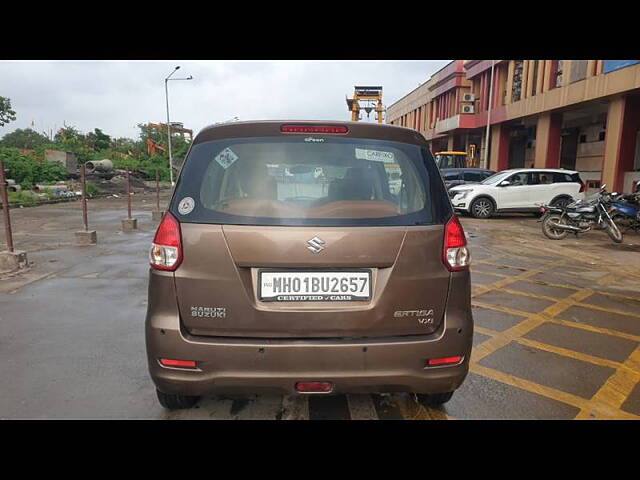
(372, 99)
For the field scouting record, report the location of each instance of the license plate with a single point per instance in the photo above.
(344, 286)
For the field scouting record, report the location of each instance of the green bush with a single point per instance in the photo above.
(28, 171)
(26, 199)
(92, 189)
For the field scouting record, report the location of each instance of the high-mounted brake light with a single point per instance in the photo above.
(434, 362)
(166, 249)
(455, 253)
(314, 387)
(326, 129)
(169, 362)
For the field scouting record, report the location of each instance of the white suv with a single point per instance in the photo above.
(518, 190)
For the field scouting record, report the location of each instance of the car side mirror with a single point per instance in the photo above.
(505, 183)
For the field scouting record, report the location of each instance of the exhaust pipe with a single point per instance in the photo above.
(571, 228)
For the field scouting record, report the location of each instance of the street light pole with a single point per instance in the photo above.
(486, 136)
(166, 94)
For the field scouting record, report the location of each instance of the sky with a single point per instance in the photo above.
(117, 95)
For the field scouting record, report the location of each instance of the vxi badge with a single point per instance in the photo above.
(424, 317)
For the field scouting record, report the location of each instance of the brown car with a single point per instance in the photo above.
(308, 258)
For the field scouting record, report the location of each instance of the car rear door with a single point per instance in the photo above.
(241, 260)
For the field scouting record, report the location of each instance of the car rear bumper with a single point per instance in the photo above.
(243, 366)
(247, 366)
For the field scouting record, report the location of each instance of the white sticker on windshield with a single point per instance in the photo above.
(374, 155)
(186, 205)
(226, 158)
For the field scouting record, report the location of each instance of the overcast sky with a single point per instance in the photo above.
(117, 95)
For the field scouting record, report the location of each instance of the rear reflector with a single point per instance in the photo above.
(319, 387)
(168, 362)
(327, 129)
(443, 361)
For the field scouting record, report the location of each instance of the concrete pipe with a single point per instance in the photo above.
(42, 188)
(99, 166)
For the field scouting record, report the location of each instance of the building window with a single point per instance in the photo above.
(535, 77)
(556, 80)
(578, 70)
(516, 91)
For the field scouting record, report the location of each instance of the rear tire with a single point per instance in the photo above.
(434, 399)
(561, 202)
(481, 208)
(550, 232)
(173, 401)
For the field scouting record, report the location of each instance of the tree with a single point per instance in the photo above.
(69, 138)
(24, 138)
(103, 141)
(6, 114)
(97, 140)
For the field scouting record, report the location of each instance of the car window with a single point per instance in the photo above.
(562, 178)
(293, 181)
(496, 178)
(449, 176)
(474, 176)
(540, 178)
(519, 179)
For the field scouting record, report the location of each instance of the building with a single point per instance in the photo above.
(574, 114)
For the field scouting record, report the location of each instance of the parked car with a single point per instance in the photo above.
(461, 176)
(260, 282)
(518, 190)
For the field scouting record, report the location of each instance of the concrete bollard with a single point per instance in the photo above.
(129, 224)
(10, 261)
(86, 237)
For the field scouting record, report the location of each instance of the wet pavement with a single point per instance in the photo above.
(557, 328)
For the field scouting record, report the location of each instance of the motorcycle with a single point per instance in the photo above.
(580, 217)
(625, 211)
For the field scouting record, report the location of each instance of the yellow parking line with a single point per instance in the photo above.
(618, 387)
(514, 278)
(565, 352)
(485, 331)
(600, 410)
(504, 338)
(607, 309)
(591, 328)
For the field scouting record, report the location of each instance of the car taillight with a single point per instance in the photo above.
(455, 254)
(326, 129)
(582, 187)
(166, 249)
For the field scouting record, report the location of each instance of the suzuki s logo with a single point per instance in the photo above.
(316, 244)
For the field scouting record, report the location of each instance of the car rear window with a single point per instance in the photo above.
(314, 180)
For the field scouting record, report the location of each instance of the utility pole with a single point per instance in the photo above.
(166, 93)
(486, 137)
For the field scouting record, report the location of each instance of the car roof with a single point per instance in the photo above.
(467, 169)
(256, 128)
(554, 170)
